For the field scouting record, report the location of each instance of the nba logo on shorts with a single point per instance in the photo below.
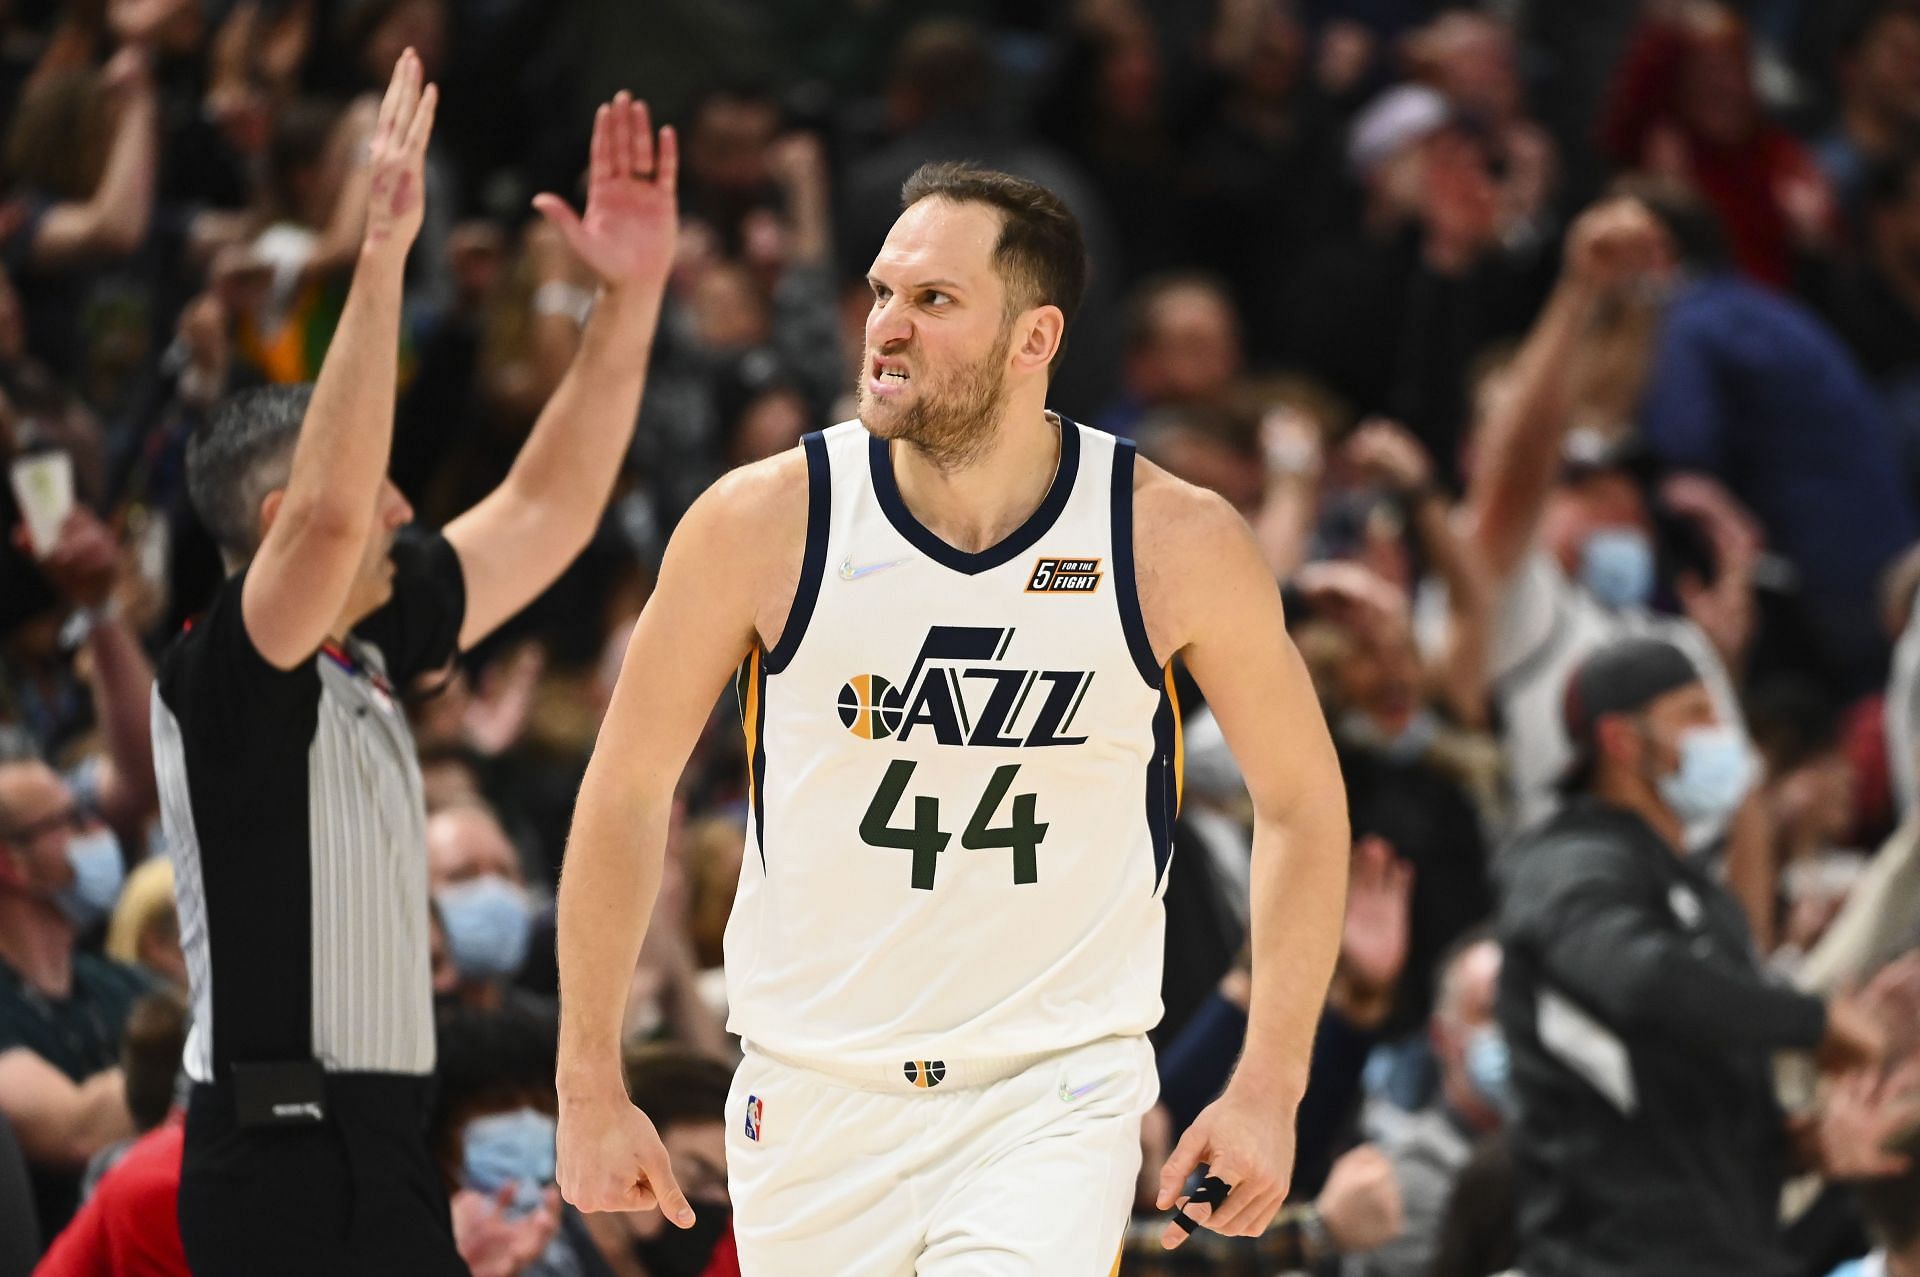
(753, 1117)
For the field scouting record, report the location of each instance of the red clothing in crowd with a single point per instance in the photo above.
(130, 1226)
(1745, 181)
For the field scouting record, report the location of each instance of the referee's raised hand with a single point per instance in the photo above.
(397, 158)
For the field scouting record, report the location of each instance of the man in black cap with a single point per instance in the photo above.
(1640, 1024)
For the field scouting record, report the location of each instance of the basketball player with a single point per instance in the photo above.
(951, 623)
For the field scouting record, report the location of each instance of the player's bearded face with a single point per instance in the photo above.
(949, 407)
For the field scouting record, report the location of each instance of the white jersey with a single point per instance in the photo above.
(964, 772)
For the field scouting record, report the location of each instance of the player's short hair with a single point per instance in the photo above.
(1040, 255)
(239, 454)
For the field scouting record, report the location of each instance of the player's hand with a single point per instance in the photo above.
(610, 1158)
(1245, 1139)
(632, 225)
(397, 157)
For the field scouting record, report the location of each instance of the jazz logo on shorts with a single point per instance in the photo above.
(753, 1117)
(1064, 576)
(925, 1073)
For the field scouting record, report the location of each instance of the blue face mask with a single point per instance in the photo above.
(1715, 772)
(510, 1149)
(1490, 1069)
(1616, 564)
(98, 872)
(489, 923)
(1410, 745)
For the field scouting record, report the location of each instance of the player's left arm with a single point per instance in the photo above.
(1207, 594)
(522, 535)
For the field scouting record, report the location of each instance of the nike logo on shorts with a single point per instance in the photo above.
(1069, 1096)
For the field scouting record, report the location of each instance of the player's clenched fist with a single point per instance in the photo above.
(610, 1158)
(1245, 1139)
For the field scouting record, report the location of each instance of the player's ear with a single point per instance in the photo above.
(1037, 337)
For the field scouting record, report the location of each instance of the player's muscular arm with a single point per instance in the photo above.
(1207, 595)
(726, 584)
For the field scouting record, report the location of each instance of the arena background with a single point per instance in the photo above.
(1319, 231)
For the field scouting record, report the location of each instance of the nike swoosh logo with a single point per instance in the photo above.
(1078, 1091)
(848, 572)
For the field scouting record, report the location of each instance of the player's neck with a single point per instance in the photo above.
(977, 505)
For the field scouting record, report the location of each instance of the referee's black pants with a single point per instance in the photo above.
(357, 1195)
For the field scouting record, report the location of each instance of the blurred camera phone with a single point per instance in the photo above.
(43, 487)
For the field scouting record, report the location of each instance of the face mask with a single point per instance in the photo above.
(1490, 1069)
(1715, 770)
(1410, 745)
(98, 872)
(489, 923)
(510, 1148)
(686, 1252)
(1616, 564)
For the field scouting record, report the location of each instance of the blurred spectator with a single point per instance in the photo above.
(1477, 1235)
(1569, 551)
(1428, 1150)
(127, 1225)
(1873, 302)
(57, 696)
(1685, 109)
(62, 1009)
(1872, 1126)
(1183, 349)
(19, 1227)
(1474, 60)
(1737, 374)
(1808, 786)
(730, 132)
(481, 898)
(1641, 1030)
(1111, 107)
(80, 163)
(1261, 179)
(1879, 109)
(492, 1133)
(1391, 316)
(144, 931)
(1407, 772)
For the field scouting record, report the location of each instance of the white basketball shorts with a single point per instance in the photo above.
(984, 1172)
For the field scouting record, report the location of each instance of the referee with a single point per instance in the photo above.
(289, 784)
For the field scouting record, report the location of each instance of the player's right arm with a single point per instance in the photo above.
(306, 564)
(734, 555)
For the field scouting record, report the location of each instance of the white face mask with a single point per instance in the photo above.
(1716, 770)
(1617, 565)
(98, 872)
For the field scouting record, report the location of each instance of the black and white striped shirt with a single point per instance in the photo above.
(294, 818)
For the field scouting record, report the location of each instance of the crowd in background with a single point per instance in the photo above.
(1337, 277)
